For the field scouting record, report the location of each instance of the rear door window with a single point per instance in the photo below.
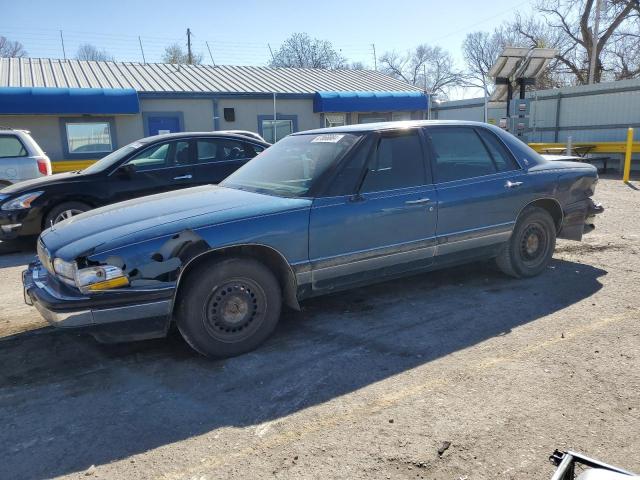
(11, 146)
(459, 153)
(396, 163)
(502, 158)
(220, 150)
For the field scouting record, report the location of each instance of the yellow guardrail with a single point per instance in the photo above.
(70, 165)
(598, 147)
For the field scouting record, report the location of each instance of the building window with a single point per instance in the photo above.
(373, 117)
(400, 116)
(89, 137)
(334, 119)
(282, 129)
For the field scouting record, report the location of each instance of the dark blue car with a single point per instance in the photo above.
(319, 211)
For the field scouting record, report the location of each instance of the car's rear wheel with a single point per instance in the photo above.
(531, 245)
(228, 307)
(63, 211)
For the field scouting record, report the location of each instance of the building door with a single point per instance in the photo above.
(163, 123)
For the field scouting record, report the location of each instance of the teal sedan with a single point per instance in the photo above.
(318, 212)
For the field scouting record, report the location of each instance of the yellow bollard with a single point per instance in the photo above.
(627, 156)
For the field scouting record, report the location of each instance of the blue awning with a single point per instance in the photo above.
(52, 101)
(369, 101)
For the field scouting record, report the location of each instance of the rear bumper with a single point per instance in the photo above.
(116, 319)
(579, 218)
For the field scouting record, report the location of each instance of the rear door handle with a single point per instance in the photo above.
(184, 177)
(418, 202)
(511, 184)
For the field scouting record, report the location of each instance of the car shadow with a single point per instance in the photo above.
(68, 402)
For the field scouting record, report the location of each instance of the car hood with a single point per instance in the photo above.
(36, 184)
(157, 215)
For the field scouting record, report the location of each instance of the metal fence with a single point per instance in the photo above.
(588, 113)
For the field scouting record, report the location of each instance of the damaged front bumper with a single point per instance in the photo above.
(110, 317)
(579, 218)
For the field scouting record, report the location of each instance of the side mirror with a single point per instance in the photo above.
(127, 171)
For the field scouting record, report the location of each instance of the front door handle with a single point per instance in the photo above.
(418, 202)
(184, 177)
(511, 184)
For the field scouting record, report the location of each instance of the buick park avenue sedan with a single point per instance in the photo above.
(319, 211)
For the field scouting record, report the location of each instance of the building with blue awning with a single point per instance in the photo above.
(81, 110)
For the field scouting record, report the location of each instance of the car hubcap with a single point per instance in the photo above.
(235, 310)
(67, 214)
(533, 245)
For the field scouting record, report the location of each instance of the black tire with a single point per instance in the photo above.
(531, 246)
(58, 210)
(228, 307)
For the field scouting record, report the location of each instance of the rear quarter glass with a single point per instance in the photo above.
(30, 144)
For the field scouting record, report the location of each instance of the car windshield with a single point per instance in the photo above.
(291, 167)
(112, 158)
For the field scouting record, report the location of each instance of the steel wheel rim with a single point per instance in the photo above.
(234, 310)
(534, 244)
(72, 212)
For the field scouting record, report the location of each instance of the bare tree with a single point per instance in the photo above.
(428, 67)
(11, 48)
(302, 51)
(574, 19)
(177, 55)
(87, 51)
(480, 51)
(356, 66)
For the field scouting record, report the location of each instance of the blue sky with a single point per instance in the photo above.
(238, 31)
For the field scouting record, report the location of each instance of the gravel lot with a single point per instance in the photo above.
(364, 384)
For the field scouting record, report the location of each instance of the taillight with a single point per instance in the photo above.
(44, 165)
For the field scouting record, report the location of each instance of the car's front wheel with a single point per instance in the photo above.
(64, 211)
(531, 245)
(228, 307)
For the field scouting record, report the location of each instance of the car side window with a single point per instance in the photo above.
(459, 153)
(221, 149)
(163, 155)
(397, 162)
(11, 146)
(502, 158)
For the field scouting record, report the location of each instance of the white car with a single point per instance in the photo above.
(21, 158)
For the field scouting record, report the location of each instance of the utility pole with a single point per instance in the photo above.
(141, 49)
(64, 54)
(375, 57)
(594, 45)
(424, 78)
(210, 56)
(273, 59)
(189, 54)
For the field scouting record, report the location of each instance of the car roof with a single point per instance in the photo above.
(178, 135)
(380, 126)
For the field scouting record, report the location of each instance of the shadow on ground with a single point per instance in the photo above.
(68, 402)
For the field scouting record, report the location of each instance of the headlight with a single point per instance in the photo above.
(21, 202)
(66, 270)
(104, 277)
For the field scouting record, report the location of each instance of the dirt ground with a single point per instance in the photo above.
(365, 384)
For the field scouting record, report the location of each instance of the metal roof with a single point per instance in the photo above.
(170, 78)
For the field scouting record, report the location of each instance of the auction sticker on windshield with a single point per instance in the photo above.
(327, 138)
